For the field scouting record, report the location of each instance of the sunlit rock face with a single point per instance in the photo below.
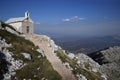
(53, 45)
(86, 62)
(109, 59)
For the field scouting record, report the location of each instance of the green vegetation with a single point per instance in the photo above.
(19, 45)
(35, 69)
(76, 68)
(87, 65)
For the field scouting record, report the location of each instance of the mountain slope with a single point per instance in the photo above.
(109, 59)
(32, 65)
(37, 57)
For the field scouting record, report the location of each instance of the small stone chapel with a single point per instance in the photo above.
(22, 24)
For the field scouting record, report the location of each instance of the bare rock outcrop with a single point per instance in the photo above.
(109, 59)
(14, 64)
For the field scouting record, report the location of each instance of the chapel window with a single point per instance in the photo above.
(27, 29)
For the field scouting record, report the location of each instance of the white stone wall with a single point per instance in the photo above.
(17, 26)
(24, 27)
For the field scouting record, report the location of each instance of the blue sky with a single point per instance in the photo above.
(67, 17)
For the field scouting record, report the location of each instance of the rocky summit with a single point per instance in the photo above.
(109, 59)
(37, 57)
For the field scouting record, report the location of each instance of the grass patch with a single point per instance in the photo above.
(30, 70)
(87, 65)
(37, 70)
(19, 45)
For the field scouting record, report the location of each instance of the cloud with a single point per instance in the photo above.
(82, 19)
(66, 20)
(37, 22)
(73, 19)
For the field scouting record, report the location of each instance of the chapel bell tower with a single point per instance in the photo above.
(27, 14)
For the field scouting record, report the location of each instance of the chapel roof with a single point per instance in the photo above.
(19, 19)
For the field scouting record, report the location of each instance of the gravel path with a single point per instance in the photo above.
(43, 43)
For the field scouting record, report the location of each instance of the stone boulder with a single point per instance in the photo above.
(27, 56)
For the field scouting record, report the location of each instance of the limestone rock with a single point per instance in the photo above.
(15, 64)
(41, 52)
(86, 62)
(81, 77)
(53, 45)
(27, 56)
(71, 55)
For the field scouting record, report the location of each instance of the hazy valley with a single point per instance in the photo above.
(87, 44)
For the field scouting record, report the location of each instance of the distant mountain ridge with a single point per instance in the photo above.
(87, 44)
